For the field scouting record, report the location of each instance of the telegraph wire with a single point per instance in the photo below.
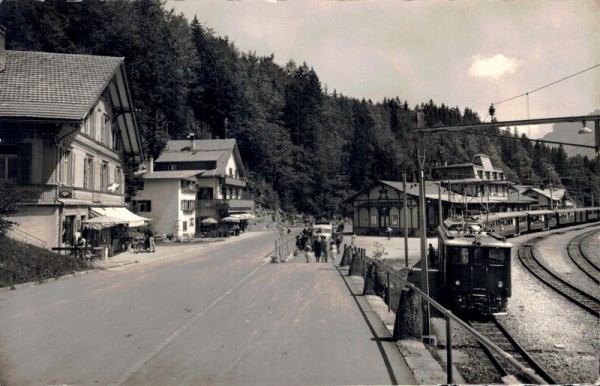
(548, 85)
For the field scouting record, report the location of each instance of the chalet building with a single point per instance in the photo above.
(194, 181)
(382, 205)
(482, 186)
(471, 188)
(547, 198)
(66, 128)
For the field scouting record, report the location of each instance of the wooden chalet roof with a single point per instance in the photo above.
(45, 86)
(218, 150)
(53, 86)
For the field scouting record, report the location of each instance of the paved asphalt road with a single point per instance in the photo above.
(218, 314)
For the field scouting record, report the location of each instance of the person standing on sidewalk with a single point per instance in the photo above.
(150, 240)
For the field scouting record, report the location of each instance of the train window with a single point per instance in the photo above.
(496, 257)
(478, 257)
(460, 256)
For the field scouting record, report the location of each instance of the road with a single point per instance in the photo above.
(217, 314)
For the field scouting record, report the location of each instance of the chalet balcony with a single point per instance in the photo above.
(230, 181)
(242, 205)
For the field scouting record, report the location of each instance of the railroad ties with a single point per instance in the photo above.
(576, 295)
(586, 264)
(495, 332)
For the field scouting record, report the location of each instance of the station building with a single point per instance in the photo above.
(470, 188)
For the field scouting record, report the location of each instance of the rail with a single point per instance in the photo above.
(285, 246)
(361, 265)
(18, 234)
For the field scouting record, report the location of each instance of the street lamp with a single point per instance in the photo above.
(596, 132)
(584, 129)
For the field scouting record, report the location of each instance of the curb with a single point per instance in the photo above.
(424, 367)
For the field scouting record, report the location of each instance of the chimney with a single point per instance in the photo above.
(192, 144)
(2, 48)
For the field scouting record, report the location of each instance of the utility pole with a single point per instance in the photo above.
(423, 220)
(405, 220)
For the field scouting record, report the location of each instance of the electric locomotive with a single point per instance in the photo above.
(474, 267)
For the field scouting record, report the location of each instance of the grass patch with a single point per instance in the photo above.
(24, 263)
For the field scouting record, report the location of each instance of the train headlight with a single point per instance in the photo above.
(457, 282)
(500, 284)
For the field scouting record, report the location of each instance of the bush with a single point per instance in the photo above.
(9, 198)
(24, 263)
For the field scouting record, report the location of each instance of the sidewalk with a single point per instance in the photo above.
(394, 247)
(167, 250)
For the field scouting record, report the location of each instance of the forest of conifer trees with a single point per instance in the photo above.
(306, 148)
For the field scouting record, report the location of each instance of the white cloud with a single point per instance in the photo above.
(493, 67)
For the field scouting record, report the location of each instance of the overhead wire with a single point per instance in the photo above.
(547, 85)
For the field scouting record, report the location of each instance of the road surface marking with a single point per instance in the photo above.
(161, 346)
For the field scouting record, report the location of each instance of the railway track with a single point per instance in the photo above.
(577, 255)
(496, 333)
(576, 295)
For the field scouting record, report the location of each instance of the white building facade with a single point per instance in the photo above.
(193, 181)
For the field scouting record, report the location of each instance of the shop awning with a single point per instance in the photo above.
(122, 214)
(102, 222)
(243, 216)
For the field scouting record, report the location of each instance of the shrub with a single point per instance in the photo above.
(9, 198)
(24, 263)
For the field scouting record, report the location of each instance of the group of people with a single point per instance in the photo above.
(316, 247)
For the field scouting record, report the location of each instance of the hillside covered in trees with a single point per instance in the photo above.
(306, 148)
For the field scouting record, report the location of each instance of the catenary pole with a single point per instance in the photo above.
(405, 220)
(423, 219)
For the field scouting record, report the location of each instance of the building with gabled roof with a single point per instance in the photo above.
(193, 181)
(464, 189)
(546, 198)
(67, 125)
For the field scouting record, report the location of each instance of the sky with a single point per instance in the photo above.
(460, 53)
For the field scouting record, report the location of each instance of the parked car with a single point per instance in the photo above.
(323, 229)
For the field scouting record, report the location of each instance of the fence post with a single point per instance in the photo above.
(389, 294)
(448, 350)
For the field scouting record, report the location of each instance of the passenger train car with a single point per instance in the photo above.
(516, 223)
(474, 256)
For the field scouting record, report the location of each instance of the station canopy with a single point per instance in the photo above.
(111, 216)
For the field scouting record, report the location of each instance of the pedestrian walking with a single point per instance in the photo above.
(317, 249)
(338, 240)
(332, 251)
(310, 255)
(324, 249)
(388, 230)
(353, 240)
